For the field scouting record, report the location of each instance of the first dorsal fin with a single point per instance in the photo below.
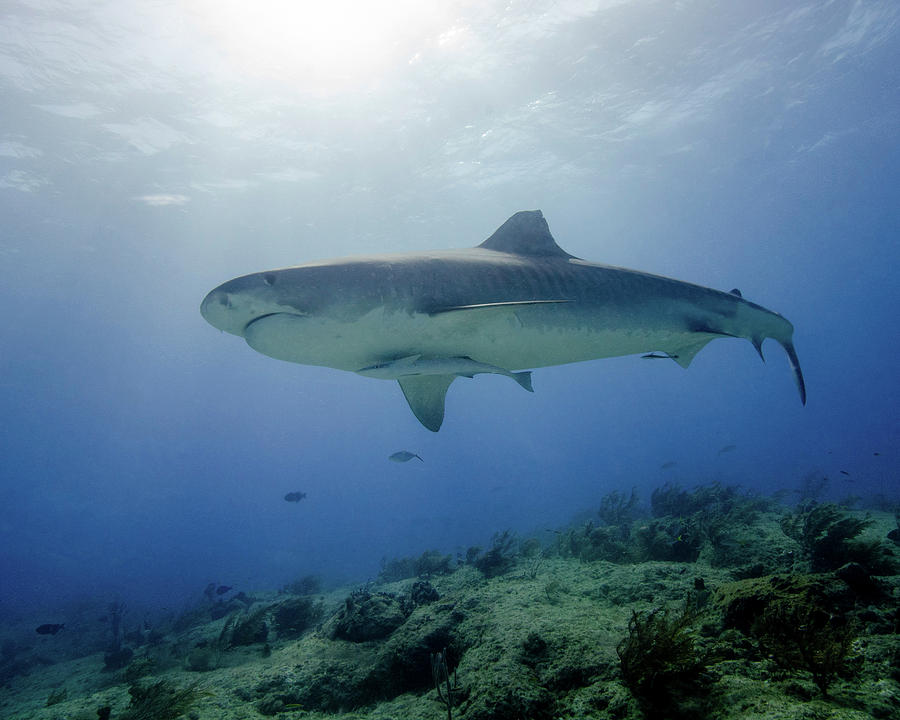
(525, 233)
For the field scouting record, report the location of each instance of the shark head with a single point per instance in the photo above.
(300, 314)
(234, 305)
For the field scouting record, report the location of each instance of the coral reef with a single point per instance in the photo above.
(592, 626)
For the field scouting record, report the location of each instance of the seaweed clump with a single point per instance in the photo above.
(428, 564)
(160, 701)
(660, 662)
(616, 510)
(800, 623)
(827, 538)
(715, 514)
(306, 585)
(501, 557)
(804, 635)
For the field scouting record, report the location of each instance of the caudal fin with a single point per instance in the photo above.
(788, 346)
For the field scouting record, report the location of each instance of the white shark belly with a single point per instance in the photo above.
(508, 339)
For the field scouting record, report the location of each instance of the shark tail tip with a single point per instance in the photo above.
(788, 346)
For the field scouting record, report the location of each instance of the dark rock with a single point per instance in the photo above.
(250, 631)
(368, 617)
(294, 616)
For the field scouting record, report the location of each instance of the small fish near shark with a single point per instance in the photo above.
(49, 628)
(402, 456)
(516, 301)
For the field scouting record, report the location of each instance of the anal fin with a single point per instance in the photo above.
(425, 395)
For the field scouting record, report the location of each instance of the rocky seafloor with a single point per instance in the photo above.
(711, 603)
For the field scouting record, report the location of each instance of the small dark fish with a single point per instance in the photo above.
(658, 356)
(667, 465)
(222, 589)
(876, 454)
(844, 472)
(295, 496)
(727, 448)
(403, 456)
(49, 628)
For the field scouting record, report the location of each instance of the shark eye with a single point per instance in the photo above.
(269, 278)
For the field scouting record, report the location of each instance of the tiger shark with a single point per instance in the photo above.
(516, 301)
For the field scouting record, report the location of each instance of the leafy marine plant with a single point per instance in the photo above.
(590, 542)
(616, 509)
(501, 557)
(800, 634)
(668, 539)
(428, 564)
(827, 538)
(800, 622)
(306, 585)
(440, 674)
(160, 701)
(660, 661)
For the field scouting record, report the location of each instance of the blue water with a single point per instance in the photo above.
(151, 151)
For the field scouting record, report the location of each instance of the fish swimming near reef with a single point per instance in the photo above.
(222, 589)
(295, 496)
(402, 456)
(49, 628)
(516, 301)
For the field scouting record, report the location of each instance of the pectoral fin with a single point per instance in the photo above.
(425, 395)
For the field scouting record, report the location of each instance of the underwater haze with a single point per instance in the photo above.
(150, 151)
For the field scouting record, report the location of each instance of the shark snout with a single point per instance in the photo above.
(232, 306)
(216, 310)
